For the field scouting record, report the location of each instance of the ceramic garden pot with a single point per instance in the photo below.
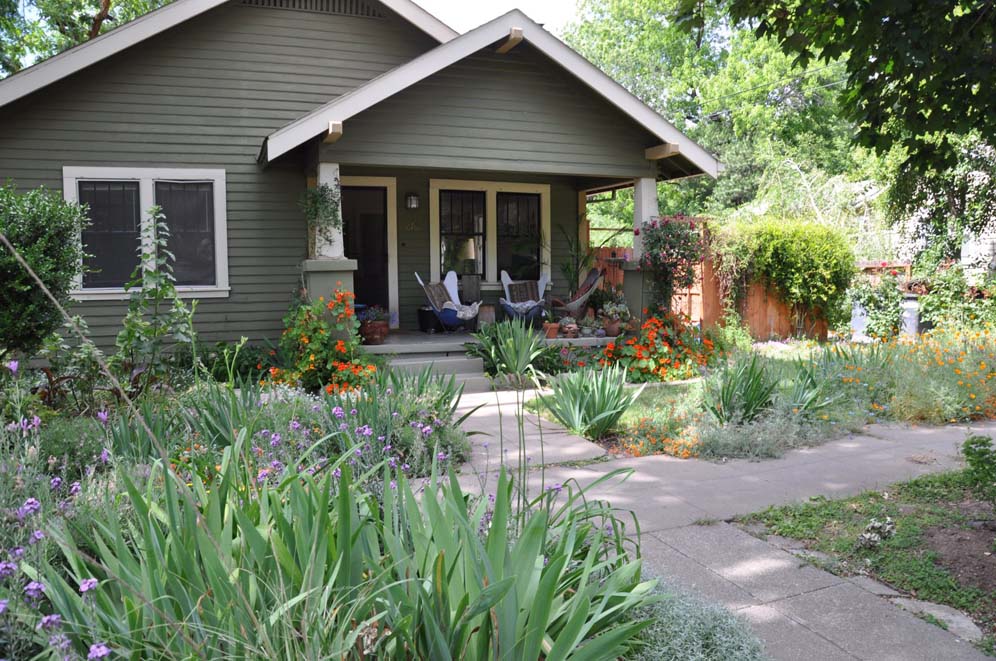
(612, 327)
(551, 329)
(374, 332)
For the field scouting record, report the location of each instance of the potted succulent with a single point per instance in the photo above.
(550, 328)
(614, 315)
(569, 326)
(588, 326)
(373, 324)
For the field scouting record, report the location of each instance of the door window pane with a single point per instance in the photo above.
(113, 237)
(519, 235)
(462, 231)
(189, 210)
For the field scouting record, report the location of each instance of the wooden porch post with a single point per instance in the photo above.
(644, 208)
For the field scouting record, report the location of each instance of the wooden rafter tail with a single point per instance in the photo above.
(335, 132)
(513, 39)
(666, 150)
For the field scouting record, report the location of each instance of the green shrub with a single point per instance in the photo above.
(950, 300)
(684, 627)
(311, 567)
(809, 391)
(980, 455)
(730, 335)
(767, 437)
(45, 230)
(810, 265)
(513, 350)
(882, 303)
(590, 402)
(740, 392)
(672, 248)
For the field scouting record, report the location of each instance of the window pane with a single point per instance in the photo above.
(519, 235)
(189, 210)
(462, 232)
(113, 237)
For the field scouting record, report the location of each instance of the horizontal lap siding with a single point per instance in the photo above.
(516, 112)
(205, 94)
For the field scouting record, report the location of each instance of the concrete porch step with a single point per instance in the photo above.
(457, 365)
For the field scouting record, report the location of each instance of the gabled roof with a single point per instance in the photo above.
(350, 104)
(68, 62)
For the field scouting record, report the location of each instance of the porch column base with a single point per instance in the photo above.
(323, 276)
(635, 290)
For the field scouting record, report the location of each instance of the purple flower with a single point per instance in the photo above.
(394, 415)
(343, 427)
(394, 485)
(3, 606)
(7, 569)
(12, 366)
(98, 651)
(441, 456)
(427, 430)
(338, 412)
(55, 483)
(59, 641)
(389, 391)
(30, 506)
(405, 467)
(358, 451)
(74, 488)
(392, 462)
(336, 472)
(88, 585)
(262, 475)
(102, 416)
(555, 488)
(50, 622)
(295, 425)
(34, 590)
(36, 537)
(352, 412)
(105, 456)
(275, 440)
(276, 466)
(16, 552)
(36, 422)
(364, 431)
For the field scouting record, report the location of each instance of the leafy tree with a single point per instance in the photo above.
(733, 92)
(45, 230)
(918, 73)
(31, 30)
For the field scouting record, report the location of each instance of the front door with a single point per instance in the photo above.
(364, 224)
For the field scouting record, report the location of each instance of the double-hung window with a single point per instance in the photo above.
(118, 201)
(486, 227)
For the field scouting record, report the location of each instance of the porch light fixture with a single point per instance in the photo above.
(411, 200)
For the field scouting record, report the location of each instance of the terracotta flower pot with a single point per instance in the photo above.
(612, 327)
(551, 329)
(374, 332)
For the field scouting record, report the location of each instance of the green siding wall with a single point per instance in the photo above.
(413, 227)
(205, 94)
(516, 112)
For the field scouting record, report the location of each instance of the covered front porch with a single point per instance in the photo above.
(476, 157)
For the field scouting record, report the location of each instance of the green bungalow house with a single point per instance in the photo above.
(474, 151)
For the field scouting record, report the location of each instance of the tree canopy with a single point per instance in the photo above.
(32, 30)
(919, 74)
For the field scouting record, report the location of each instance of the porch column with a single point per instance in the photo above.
(644, 208)
(329, 267)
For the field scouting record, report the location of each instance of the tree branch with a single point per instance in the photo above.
(99, 18)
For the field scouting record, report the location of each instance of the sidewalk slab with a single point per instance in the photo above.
(767, 573)
(870, 627)
(787, 640)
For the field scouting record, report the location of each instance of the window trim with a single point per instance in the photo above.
(490, 190)
(146, 178)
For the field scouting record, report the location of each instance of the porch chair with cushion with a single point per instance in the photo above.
(576, 305)
(446, 303)
(524, 298)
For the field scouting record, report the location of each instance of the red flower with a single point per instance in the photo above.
(636, 231)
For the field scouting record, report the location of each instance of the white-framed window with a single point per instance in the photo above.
(486, 227)
(119, 199)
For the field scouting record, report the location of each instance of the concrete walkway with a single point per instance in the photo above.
(681, 506)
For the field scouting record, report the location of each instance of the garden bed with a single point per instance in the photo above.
(943, 549)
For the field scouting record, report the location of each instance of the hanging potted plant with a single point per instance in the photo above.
(323, 210)
(373, 324)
